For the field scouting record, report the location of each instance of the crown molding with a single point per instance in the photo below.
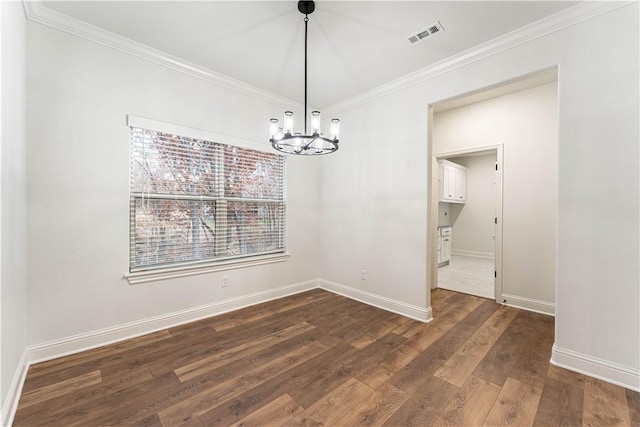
(551, 24)
(35, 11)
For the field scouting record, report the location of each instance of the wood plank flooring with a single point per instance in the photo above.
(319, 359)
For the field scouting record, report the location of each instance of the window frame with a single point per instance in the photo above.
(195, 267)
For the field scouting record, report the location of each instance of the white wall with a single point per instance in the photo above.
(13, 278)
(598, 292)
(526, 124)
(373, 199)
(444, 213)
(374, 193)
(79, 94)
(473, 222)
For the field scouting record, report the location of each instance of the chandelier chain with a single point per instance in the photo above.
(306, 22)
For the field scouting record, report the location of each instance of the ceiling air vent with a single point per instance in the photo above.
(430, 30)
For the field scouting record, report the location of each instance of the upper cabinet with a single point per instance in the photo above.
(453, 182)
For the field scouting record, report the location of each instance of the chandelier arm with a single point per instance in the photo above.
(306, 147)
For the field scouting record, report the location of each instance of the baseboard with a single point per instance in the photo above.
(475, 254)
(89, 340)
(77, 343)
(563, 358)
(10, 404)
(597, 368)
(529, 304)
(86, 341)
(408, 310)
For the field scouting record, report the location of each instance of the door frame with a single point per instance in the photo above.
(433, 208)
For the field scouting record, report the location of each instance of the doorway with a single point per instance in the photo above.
(521, 116)
(469, 221)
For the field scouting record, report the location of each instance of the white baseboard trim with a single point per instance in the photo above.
(581, 363)
(597, 368)
(10, 404)
(89, 340)
(388, 304)
(93, 339)
(529, 304)
(475, 254)
(86, 341)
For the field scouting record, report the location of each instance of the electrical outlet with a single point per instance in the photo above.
(363, 274)
(225, 281)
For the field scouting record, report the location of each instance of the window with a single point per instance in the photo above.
(195, 201)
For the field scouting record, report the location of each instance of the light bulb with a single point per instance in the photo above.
(335, 129)
(288, 122)
(315, 122)
(273, 128)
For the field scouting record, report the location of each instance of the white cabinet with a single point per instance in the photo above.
(453, 182)
(444, 246)
(461, 185)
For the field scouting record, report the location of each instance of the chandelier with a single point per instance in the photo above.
(314, 143)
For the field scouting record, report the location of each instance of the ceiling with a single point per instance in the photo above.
(354, 46)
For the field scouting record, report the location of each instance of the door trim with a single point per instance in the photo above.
(433, 208)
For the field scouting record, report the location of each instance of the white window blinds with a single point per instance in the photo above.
(196, 201)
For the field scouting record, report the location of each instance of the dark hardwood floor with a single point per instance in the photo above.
(317, 359)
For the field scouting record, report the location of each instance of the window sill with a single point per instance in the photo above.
(176, 272)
